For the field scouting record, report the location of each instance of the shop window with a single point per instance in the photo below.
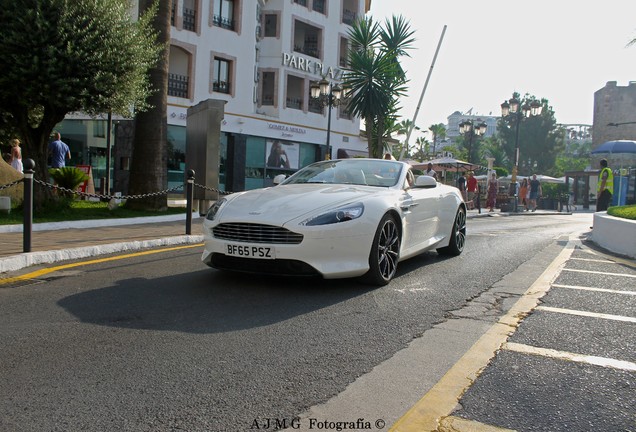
(307, 39)
(221, 75)
(268, 88)
(224, 14)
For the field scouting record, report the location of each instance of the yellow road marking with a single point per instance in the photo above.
(442, 398)
(42, 272)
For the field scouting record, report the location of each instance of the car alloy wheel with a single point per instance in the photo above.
(385, 252)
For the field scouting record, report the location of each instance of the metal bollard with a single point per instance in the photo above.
(189, 199)
(29, 165)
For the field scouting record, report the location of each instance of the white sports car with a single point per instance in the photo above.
(337, 219)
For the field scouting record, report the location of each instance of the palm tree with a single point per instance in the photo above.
(439, 132)
(374, 75)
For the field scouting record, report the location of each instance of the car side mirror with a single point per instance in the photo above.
(426, 182)
(279, 179)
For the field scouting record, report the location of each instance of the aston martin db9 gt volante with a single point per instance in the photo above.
(336, 219)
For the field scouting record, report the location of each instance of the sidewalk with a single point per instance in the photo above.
(53, 242)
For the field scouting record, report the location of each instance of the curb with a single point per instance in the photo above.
(18, 262)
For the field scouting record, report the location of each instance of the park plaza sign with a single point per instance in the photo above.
(311, 66)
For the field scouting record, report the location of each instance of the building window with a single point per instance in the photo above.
(99, 128)
(224, 14)
(271, 24)
(179, 72)
(189, 15)
(343, 111)
(344, 52)
(318, 6)
(349, 11)
(295, 92)
(301, 2)
(268, 88)
(307, 39)
(221, 75)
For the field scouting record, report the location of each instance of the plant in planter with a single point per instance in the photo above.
(68, 178)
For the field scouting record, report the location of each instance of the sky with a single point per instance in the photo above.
(560, 50)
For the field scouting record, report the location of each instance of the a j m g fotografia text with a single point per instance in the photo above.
(317, 424)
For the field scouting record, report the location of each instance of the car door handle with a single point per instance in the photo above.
(406, 206)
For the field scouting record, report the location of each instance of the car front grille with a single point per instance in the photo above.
(256, 233)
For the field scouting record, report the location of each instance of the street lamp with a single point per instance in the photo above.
(469, 129)
(328, 95)
(513, 109)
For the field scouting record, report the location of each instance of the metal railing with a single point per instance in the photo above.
(28, 180)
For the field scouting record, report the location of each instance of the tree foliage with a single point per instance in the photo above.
(63, 56)
(540, 139)
(374, 74)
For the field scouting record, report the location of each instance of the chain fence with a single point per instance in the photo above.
(29, 181)
(106, 197)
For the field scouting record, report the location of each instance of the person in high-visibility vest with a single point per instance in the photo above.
(605, 187)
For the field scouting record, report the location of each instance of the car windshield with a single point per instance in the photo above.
(370, 172)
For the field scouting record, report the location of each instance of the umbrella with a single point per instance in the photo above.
(448, 164)
(618, 146)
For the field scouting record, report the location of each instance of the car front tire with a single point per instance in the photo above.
(385, 253)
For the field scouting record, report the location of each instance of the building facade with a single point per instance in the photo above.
(259, 57)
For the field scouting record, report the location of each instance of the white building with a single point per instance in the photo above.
(260, 56)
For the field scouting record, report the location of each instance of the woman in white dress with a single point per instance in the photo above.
(16, 155)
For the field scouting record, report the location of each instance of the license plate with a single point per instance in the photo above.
(249, 251)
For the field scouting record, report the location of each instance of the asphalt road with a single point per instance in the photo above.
(160, 342)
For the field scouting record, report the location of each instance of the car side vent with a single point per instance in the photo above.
(256, 233)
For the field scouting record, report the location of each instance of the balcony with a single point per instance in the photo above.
(223, 22)
(295, 103)
(221, 87)
(348, 17)
(189, 19)
(178, 85)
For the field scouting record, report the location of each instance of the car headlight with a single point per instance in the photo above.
(342, 214)
(215, 209)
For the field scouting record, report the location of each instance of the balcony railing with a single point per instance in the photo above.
(348, 17)
(178, 85)
(268, 100)
(296, 103)
(310, 51)
(315, 106)
(189, 19)
(222, 22)
(221, 86)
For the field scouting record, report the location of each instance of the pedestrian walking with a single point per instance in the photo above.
(471, 186)
(523, 193)
(430, 171)
(492, 188)
(461, 185)
(605, 187)
(535, 192)
(59, 151)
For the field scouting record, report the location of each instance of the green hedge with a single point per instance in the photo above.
(625, 212)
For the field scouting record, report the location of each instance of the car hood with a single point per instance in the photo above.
(283, 203)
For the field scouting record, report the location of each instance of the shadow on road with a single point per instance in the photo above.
(208, 301)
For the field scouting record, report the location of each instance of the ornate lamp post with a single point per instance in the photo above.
(469, 129)
(514, 110)
(328, 95)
